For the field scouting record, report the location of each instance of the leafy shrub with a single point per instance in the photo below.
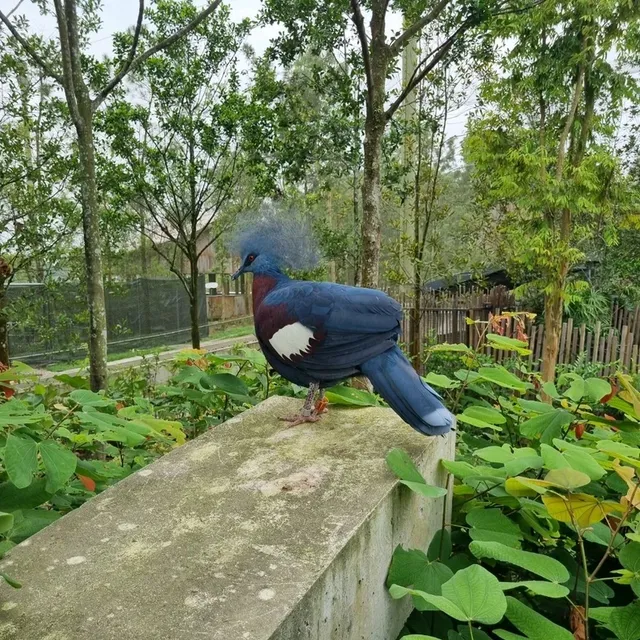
(545, 529)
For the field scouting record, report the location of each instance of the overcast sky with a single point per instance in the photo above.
(119, 15)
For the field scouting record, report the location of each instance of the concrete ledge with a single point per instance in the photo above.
(253, 531)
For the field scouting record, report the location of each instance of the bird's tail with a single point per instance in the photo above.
(407, 394)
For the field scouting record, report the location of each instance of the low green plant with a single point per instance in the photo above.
(544, 536)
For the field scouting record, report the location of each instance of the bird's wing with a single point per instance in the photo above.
(325, 328)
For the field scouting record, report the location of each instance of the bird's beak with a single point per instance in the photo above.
(237, 274)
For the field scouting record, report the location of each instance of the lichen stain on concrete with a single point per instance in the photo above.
(221, 487)
(199, 600)
(287, 434)
(145, 473)
(76, 560)
(204, 452)
(7, 606)
(127, 526)
(260, 465)
(266, 594)
(8, 631)
(298, 484)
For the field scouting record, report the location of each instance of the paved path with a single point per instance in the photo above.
(212, 346)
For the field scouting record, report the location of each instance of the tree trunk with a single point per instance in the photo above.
(415, 346)
(371, 203)
(93, 254)
(194, 300)
(553, 306)
(374, 127)
(4, 328)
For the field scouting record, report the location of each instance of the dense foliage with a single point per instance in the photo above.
(544, 536)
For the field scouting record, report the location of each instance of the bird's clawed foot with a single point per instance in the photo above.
(301, 419)
(309, 414)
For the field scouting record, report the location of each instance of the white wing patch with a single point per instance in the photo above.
(291, 340)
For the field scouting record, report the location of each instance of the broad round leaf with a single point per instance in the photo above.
(567, 478)
(537, 563)
(20, 460)
(477, 593)
(581, 508)
(59, 464)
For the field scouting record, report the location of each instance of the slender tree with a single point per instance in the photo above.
(377, 56)
(543, 143)
(180, 142)
(37, 212)
(69, 69)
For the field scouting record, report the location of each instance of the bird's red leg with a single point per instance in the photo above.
(321, 404)
(309, 412)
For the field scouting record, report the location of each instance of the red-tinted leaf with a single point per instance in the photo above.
(89, 484)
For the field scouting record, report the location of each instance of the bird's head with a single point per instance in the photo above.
(271, 245)
(256, 263)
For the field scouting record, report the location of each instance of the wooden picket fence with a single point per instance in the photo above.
(444, 319)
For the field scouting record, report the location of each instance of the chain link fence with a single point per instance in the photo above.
(49, 323)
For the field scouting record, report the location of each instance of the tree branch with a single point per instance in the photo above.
(358, 20)
(163, 44)
(575, 101)
(417, 78)
(399, 43)
(113, 83)
(67, 72)
(29, 50)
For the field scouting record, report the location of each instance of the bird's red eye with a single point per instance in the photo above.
(250, 258)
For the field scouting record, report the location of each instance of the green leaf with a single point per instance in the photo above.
(418, 636)
(503, 378)
(439, 380)
(12, 498)
(476, 422)
(225, 382)
(502, 343)
(535, 406)
(10, 581)
(20, 460)
(87, 398)
(492, 416)
(597, 388)
(477, 593)
(445, 346)
(425, 490)
(547, 425)
(499, 455)
(458, 468)
(77, 382)
(629, 557)
(31, 521)
(472, 594)
(625, 621)
(59, 464)
(576, 390)
(492, 525)
(507, 635)
(537, 563)
(550, 389)
(440, 547)
(534, 625)
(538, 588)
(580, 459)
(6, 521)
(403, 466)
(349, 396)
(567, 478)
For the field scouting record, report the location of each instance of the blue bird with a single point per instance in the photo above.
(317, 334)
